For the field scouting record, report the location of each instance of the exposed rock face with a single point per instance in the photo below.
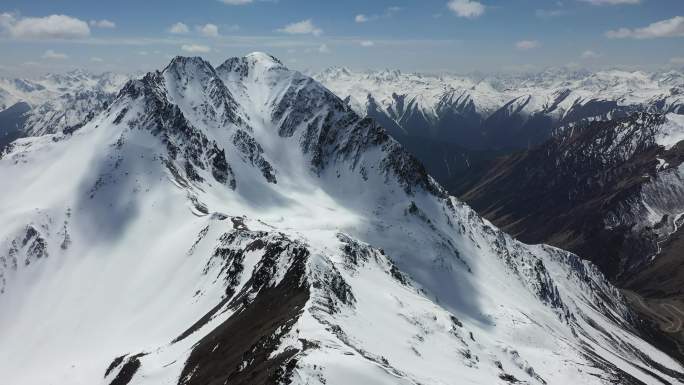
(243, 225)
(594, 188)
(11, 123)
(457, 124)
(612, 192)
(57, 103)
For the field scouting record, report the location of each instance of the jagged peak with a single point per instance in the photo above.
(188, 64)
(262, 57)
(335, 72)
(255, 62)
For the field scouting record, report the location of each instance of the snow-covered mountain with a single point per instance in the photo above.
(500, 111)
(243, 225)
(60, 102)
(610, 191)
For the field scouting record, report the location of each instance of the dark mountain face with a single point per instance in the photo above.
(457, 124)
(568, 190)
(11, 123)
(604, 190)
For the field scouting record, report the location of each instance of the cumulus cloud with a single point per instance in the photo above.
(367, 43)
(195, 48)
(50, 54)
(304, 27)
(388, 13)
(48, 27)
(361, 18)
(466, 8)
(324, 48)
(104, 23)
(589, 54)
(6, 20)
(179, 28)
(209, 30)
(611, 2)
(527, 44)
(673, 27)
(236, 2)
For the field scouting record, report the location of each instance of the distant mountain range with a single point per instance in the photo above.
(242, 224)
(454, 124)
(513, 111)
(56, 102)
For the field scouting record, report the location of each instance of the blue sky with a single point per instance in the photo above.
(417, 35)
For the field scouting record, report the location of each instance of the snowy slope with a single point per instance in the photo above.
(241, 224)
(501, 110)
(60, 101)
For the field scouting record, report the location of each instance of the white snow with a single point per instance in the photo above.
(672, 132)
(135, 277)
(553, 92)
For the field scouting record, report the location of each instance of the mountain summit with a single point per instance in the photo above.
(243, 225)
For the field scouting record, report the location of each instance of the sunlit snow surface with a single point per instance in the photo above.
(556, 93)
(127, 267)
(60, 101)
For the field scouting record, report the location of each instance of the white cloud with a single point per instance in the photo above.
(367, 43)
(209, 30)
(179, 28)
(611, 2)
(673, 27)
(466, 8)
(96, 59)
(48, 27)
(388, 13)
(677, 60)
(324, 48)
(195, 48)
(6, 20)
(361, 18)
(304, 27)
(549, 13)
(102, 23)
(392, 10)
(527, 44)
(236, 2)
(589, 54)
(50, 54)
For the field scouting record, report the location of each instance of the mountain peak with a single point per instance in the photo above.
(250, 64)
(334, 72)
(221, 196)
(188, 63)
(262, 57)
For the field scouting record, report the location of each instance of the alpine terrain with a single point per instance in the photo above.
(54, 102)
(457, 124)
(610, 191)
(244, 225)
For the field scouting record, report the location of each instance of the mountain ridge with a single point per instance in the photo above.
(163, 204)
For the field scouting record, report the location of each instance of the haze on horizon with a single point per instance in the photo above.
(427, 36)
